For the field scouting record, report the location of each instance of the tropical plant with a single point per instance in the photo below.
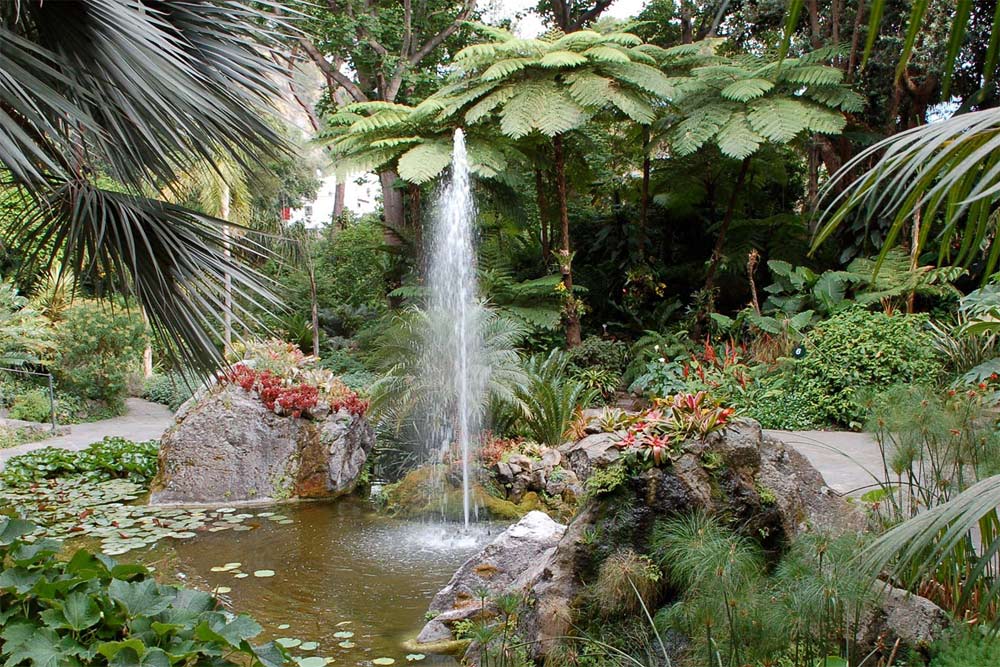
(25, 336)
(948, 551)
(104, 612)
(111, 458)
(32, 406)
(406, 393)
(550, 397)
(85, 140)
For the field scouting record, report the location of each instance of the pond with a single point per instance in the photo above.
(339, 568)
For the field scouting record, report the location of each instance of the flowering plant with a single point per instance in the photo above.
(287, 382)
(658, 434)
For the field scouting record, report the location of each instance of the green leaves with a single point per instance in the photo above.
(77, 612)
(138, 598)
(424, 162)
(745, 90)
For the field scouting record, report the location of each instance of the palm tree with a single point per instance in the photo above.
(105, 101)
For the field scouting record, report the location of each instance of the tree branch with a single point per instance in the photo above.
(437, 39)
(590, 15)
(334, 77)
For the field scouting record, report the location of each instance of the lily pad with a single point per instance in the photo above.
(383, 661)
(242, 575)
(415, 657)
(312, 662)
(309, 646)
(347, 644)
(288, 642)
(223, 589)
(284, 626)
(263, 574)
(343, 634)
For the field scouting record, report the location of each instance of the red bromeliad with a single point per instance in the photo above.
(660, 432)
(294, 399)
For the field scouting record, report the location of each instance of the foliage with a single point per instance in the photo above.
(965, 648)
(857, 351)
(607, 479)
(603, 353)
(25, 335)
(170, 389)
(351, 266)
(111, 458)
(656, 437)
(626, 581)
(85, 141)
(95, 348)
(33, 406)
(287, 383)
(615, 419)
(89, 610)
(551, 398)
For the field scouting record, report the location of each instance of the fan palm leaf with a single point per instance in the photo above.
(135, 93)
(949, 171)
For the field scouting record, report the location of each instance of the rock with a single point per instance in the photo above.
(551, 458)
(227, 447)
(898, 614)
(507, 563)
(597, 450)
(519, 462)
(504, 472)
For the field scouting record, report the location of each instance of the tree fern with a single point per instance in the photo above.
(745, 90)
(424, 162)
(563, 59)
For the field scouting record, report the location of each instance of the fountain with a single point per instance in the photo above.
(454, 351)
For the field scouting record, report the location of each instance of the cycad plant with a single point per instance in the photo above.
(406, 394)
(103, 102)
(550, 398)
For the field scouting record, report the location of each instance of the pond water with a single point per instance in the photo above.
(338, 568)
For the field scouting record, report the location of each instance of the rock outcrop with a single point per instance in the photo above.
(509, 562)
(754, 483)
(228, 447)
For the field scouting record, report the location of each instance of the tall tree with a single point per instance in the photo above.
(104, 101)
(382, 51)
(572, 15)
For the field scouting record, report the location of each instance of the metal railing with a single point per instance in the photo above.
(52, 393)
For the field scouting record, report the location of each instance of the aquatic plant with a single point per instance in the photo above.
(90, 610)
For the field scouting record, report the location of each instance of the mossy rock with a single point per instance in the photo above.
(418, 495)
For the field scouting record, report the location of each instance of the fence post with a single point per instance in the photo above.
(52, 403)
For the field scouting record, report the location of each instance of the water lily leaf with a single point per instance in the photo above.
(284, 626)
(342, 623)
(263, 573)
(415, 657)
(343, 634)
(232, 566)
(309, 646)
(240, 575)
(222, 589)
(312, 662)
(346, 644)
(270, 655)
(217, 569)
(383, 661)
(288, 642)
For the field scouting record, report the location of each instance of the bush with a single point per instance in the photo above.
(32, 406)
(965, 649)
(111, 458)
(96, 347)
(101, 612)
(171, 389)
(603, 353)
(856, 352)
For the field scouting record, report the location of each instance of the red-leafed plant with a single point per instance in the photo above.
(296, 396)
(297, 399)
(492, 448)
(657, 435)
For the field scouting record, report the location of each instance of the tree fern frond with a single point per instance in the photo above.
(745, 90)
(606, 54)
(778, 120)
(642, 76)
(737, 139)
(425, 162)
(504, 68)
(563, 59)
(485, 106)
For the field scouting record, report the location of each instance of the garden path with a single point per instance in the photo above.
(142, 420)
(849, 462)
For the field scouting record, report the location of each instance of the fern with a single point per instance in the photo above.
(504, 68)
(813, 75)
(589, 89)
(745, 90)
(737, 139)
(562, 59)
(642, 76)
(424, 162)
(486, 105)
(838, 97)
(579, 38)
(606, 54)
(778, 120)
(694, 131)
(632, 105)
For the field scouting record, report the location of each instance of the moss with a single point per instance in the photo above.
(417, 495)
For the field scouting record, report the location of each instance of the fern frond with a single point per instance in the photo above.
(745, 90)
(606, 54)
(485, 106)
(589, 89)
(778, 120)
(813, 75)
(562, 59)
(424, 162)
(642, 76)
(504, 68)
(737, 139)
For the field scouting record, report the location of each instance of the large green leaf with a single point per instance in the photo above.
(78, 611)
(424, 162)
(44, 648)
(139, 598)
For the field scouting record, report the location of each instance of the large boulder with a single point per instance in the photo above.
(228, 447)
(754, 483)
(507, 563)
(901, 616)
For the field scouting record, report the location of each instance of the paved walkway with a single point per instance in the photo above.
(142, 421)
(849, 462)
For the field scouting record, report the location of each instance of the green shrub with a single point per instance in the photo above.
(551, 398)
(32, 406)
(856, 352)
(603, 353)
(96, 347)
(171, 389)
(965, 649)
(111, 458)
(101, 612)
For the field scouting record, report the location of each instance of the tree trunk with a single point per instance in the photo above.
(572, 314)
(543, 222)
(339, 195)
(914, 257)
(720, 241)
(227, 313)
(416, 222)
(147, 352)
(392, 206)
(644, 196)
(314, 302)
